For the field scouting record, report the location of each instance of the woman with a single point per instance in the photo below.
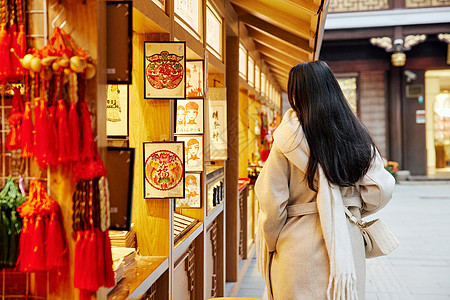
(322, 158)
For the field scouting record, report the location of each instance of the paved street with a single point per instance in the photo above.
(419, 269)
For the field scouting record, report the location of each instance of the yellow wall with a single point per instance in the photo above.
(243, 134)
(149, 121)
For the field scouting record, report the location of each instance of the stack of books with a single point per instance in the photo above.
(123, 238)
(123, 259)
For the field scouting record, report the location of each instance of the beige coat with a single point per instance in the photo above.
(298, 265)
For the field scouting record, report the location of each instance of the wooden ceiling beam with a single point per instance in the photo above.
(288, 21)
(278, 62)
(276, 43)
(271, 52)
(278, 71)
(276, 31)
(307, 6)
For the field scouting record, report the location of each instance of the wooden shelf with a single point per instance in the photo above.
(181, 246)
(140, 277)
(213, 213)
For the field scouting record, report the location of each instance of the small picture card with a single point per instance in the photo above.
(193, 147)
(189, 118)
(218, 123)
(192, 192)
(165, 70)
(117, 110)
(164, 170)
(194, 79)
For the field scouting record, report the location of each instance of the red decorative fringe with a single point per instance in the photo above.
(19, 44)
(87, 140)
(64, 139)
(52, 138)
(74, 133)
(4, 53)
(27, 132)
(56, 247)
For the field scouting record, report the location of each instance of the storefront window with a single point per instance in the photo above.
(349, 88)
(251, 70)
(263, 84)
(242, 61)
(214, 31)
(188, 14)
(257, 79)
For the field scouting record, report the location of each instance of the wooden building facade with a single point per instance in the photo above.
(392, 59)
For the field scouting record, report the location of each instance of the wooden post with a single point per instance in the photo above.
(232, 166)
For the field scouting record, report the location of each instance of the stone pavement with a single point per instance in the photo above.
(419, 269)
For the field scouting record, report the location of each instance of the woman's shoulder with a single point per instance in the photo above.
(289, 134)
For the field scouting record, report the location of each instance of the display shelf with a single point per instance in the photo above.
(213, 213)
(213, 172)
(138, 279)
(181, 246)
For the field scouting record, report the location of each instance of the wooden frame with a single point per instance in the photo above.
(173, 55)
(187, 202)
(115, 180)
(195, 85)
(119, 45)
(210, 10)
(179, 18)
(163, 159)
(117, 110)
(194, 143)
(185, 121)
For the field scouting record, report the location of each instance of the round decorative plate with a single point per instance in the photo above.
(164, 70)
(163, 170)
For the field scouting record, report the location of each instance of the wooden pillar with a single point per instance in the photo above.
(395, 115)
(232, 166)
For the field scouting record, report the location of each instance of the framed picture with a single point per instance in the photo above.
(119, 46)
(120, 165)
(193, 146)
(189, 118)
(192, 192)
(194, 79)
(165, 70)
(117, 110)
(218, 123)
(164, 170)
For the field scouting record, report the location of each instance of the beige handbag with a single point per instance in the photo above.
(378, 239)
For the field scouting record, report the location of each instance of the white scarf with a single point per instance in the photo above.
(342, 280)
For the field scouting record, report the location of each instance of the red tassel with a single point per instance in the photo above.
(52, 138)
(78, 278)
(91, 261)
(41, 135)
(4, 53)
(37, 127)
(56, 247)
(64, 139)
(33, 250)
(87, 141)
(24, 241)
(101, 272)
(109, 272)
(13, 141)
(27, 132)
(74, 133)
(20, 47)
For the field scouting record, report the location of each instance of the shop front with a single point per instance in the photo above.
(132, 138)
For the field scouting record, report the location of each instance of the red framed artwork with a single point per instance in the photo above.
(163, 169)
(165, 70)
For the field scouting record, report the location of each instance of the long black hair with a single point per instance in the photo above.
(337, 140)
